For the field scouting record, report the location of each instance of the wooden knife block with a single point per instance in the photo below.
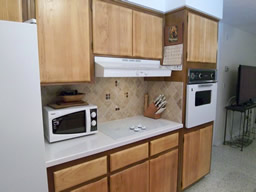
(150, 112)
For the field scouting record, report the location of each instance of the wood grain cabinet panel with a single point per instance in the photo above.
(112, 29)
(64, 40)
(99, 186)
(197, 155)
(80, 173)
(202, 39)
(164, 172)
(164, 143)
(135, 179)
(147, 35)
(128, 156)
(11, 10)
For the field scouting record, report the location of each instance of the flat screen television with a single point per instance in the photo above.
(246, 89)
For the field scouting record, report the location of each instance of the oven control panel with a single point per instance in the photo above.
(202, 76)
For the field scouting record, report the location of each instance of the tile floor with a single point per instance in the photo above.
(232, 171)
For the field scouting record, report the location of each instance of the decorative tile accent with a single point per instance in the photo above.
(119, 98)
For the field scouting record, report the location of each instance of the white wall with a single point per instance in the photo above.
(152, 4)
(235, 47)
(174, 4)
(210, 7)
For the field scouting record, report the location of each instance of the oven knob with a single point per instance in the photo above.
(200, 75)
(192, 76)
(94, 123)
(212, 76)
(93, 114)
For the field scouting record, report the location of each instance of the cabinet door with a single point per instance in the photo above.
(11, 10)
(147, 35)
(202, 39)
(112, 29)
(64, 40)
(197, 155)
(135, 179)
(164, 172)
(99, 186)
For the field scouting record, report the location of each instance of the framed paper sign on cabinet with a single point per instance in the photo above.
(173, 34)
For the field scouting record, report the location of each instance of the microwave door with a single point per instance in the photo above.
(73, 123)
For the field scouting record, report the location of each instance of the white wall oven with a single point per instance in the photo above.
(201, 97)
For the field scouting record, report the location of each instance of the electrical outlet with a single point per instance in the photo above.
(126, 94)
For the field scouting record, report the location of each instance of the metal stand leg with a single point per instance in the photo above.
(242, 146)
(247, 117)
(225, 131)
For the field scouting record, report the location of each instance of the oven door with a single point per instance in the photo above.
(201, 104)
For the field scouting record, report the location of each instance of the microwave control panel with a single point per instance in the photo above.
(93, 113)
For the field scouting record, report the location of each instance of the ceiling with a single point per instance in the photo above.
(240, 14)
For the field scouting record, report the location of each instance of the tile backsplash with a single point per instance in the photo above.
(119, 98)
(173, 92)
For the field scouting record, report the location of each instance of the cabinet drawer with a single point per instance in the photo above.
(99, 186)
(164, 143)
(80, 173)
(128, 156)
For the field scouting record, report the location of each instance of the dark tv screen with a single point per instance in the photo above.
(246, 91)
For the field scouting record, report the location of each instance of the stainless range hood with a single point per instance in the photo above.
(125, 67)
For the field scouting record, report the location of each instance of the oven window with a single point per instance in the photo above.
(203, 97)
(70, 124)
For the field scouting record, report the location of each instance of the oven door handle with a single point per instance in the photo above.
(205, 85)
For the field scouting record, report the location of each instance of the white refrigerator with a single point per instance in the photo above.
(22, 160)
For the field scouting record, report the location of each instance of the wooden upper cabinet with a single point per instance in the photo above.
(11, 10)
(197, 155)
(202, 39)
(147, 35)
(164, 172)
(64, 40)
(112, 29)
(17, 10)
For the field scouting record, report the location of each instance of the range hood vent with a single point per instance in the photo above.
(125, 67)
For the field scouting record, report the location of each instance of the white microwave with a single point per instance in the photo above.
(68, 123)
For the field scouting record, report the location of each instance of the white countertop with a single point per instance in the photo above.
(111, 135)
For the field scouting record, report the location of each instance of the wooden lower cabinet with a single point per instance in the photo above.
(147, 166)
(196, 155)
(164, 172)
(128, 156)
(99, 186)
(78, 174)
(134, 179)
